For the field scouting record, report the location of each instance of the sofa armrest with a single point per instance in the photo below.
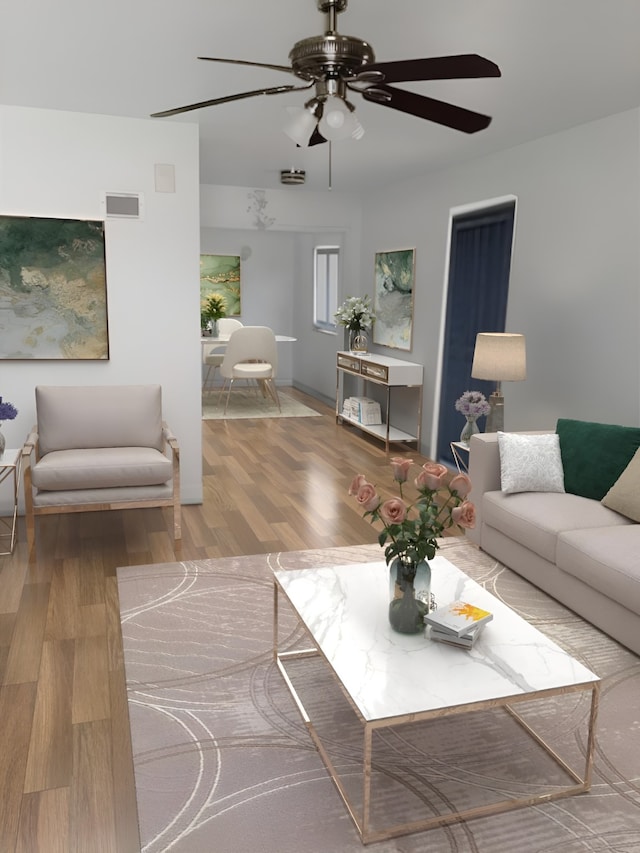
(484, 472)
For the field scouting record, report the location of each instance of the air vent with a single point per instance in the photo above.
(292, 177)
(122, 205)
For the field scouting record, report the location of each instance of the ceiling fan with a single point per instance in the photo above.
(335, 65)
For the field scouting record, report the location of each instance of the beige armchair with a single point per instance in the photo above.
(98, 448)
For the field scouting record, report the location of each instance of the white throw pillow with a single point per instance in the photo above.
(530, 463)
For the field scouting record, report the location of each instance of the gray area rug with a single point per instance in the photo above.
(224, 763)
(245, 403)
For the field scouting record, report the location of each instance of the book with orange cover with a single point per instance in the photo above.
(458, 618)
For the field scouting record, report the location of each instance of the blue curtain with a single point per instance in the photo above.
(476, 302)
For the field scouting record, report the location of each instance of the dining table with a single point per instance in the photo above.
(210, 340)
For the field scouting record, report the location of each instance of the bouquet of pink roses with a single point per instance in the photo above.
(413, 527)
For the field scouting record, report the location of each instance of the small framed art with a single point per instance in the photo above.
(221, 274)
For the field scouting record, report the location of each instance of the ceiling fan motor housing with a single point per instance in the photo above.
(312, 58)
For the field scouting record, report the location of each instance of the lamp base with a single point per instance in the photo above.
(495, 418)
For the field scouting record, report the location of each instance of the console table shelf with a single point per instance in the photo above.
(389, 373)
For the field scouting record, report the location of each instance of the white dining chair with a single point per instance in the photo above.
(251, 354)
(212, 356)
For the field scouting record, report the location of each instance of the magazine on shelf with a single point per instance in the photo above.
(458, 618)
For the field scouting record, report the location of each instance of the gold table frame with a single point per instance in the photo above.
(362, 821)
(6, 469)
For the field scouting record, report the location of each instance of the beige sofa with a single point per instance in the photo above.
(99, 448)
(576, 549)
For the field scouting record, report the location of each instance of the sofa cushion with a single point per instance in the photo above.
(535, 519)
(594, 455)
(99, 416)
(605, 558)
(101, 468)
(530, 463)
(624, 495)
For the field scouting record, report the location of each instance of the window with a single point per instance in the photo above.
(325, 287)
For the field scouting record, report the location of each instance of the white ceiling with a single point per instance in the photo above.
(563, 62)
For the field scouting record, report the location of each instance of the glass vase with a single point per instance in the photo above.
(410, 595)
(469, 429)
(2, 441)
(358, 340)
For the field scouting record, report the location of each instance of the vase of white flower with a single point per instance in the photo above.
(358, 341)
(355, 314)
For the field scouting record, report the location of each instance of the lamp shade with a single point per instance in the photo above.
(500, 356)
(300, 125)
(338, 121)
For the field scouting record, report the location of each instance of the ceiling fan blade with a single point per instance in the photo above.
(286, 68)
(430, 109)
(316, 138)
(275, 90)
(465, 65)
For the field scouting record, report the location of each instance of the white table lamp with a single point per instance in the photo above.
(501, 357)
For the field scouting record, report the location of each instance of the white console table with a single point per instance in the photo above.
(389, 373)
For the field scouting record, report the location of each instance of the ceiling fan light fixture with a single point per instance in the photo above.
(301, 124)
(338, 120)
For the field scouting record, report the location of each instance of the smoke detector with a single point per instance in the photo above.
(292, 177)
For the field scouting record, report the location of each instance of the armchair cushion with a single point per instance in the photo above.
(101, 468)
(72, 417)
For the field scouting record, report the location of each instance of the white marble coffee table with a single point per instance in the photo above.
(344, 611)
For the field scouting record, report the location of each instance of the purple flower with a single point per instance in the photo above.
(7, 411)
(472, 403)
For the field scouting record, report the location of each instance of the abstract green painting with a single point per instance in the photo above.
(53, 293)
(393, 298)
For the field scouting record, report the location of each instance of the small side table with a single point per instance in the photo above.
(460, 452)
(10, 464)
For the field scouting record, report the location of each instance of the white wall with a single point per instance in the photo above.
(58, 164)
(575, 281)
(277, 277)
(267, 281)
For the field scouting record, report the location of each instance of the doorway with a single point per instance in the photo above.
(477, 292)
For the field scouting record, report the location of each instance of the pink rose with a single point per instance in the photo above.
(393, 511)
(357, 481)
(367, 497)
(431, 476)
(464, 515)
(400, 468)
(461, 484)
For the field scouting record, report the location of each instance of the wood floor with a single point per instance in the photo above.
(66, 777)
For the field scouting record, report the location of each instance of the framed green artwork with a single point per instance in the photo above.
(221, 274)
(53, 289)
(393, 298)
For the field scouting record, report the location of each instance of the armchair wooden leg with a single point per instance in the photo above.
(177, 522)
(29, 518)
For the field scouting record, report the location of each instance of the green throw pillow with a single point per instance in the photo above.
(594, 455)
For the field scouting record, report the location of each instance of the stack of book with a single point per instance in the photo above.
(458, 623)
(362, 409)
